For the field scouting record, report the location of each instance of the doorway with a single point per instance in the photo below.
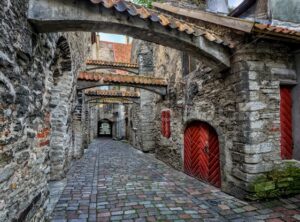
(104, 128)
(201, 153)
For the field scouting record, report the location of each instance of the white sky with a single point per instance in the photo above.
(234, 3)
(112, 38)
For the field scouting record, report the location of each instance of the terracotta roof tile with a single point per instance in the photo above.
(111, 93)
(122, 78)
(111, 64)
(269, 29)
(165, 20)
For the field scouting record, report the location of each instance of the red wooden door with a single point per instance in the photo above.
(201, 153)
(286, 122)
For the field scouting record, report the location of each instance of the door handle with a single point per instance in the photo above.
(206, 149)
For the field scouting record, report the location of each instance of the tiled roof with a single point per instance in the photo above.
(111, 64)
(276, 30)
(121, 78)
(228, 21)
(111, 93)
(165, 20)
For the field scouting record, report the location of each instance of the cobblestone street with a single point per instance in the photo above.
(115, 182)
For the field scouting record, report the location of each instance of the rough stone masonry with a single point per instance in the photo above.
(37, 82)
(40, 133)
(242, 105)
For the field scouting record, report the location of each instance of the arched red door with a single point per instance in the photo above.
(201, 153)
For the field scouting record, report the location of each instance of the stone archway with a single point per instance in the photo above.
(61, 141)
(122, 17)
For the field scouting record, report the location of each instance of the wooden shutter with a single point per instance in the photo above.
(166, 123)
(286, 122)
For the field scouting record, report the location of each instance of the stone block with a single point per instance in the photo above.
(252, 75)
(258, 124)
(252, 106)
(244, 176)
(258, 148)
(261, 167)
(7, 172)
(246, 158)
(254, 86)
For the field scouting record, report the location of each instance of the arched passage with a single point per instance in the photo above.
(105, 128)
(201, 153)
(121, 17)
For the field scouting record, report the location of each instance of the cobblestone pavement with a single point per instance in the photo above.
(115, 182)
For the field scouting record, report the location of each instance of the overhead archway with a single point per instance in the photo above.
(88, 80)
(157, 90)
(111, 100)
(101, 64)
(121, 17)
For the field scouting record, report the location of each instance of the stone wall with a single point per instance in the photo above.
(93, 123)
(168, 64)
(134, 126)
(142, 53)
(256, 148)
(119, 122)
(67, 60)
(25, 114)
(242, 105)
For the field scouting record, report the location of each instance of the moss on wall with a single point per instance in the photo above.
(284, 180)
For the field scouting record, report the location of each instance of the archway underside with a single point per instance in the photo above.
(55, 16)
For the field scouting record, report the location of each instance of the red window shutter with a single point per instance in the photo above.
(166, 123)
(163, 123)
(286, 122)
